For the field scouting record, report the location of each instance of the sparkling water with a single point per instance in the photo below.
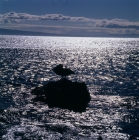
(108, 66)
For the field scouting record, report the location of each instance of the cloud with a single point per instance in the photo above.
(117, 23)
(13, 17)
(79, 25)
(25, 16)
(5, 20)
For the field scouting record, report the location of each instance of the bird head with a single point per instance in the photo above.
(60, 66)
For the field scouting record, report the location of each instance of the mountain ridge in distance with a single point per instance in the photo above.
(4, 31)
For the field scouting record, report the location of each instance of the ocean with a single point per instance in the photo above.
(108, 66)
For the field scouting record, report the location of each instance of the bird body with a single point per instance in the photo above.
(59, 70)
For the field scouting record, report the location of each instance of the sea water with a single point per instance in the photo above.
(108, 66)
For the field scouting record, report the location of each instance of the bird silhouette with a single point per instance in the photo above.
(59, 70)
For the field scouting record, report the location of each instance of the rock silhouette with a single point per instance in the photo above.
(64, 94)
(59, 70)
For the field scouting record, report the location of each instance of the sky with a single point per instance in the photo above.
(72, 17)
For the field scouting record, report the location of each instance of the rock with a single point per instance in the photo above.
(64, 94)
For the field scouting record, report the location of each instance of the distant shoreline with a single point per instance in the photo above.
(4, 31)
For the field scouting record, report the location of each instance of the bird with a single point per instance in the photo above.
(59, 70)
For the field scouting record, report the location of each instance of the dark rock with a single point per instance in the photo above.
(64, 94)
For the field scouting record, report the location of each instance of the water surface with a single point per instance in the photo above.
(109, 67)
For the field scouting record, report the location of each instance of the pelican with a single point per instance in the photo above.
(59, 70)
